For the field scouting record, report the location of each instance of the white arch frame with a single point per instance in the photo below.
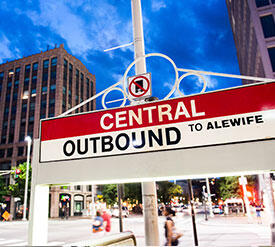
(122, 84)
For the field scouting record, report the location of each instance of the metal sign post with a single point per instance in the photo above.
(209, 198)
(191, 198)
(149, 195)
(119, 195)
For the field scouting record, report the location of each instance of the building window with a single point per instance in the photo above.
(11, 74)
(9, 153)
(45, 76)
(53, 87)
(2, 153)
(22, 136)
(271, 52)
(261, 3)
(45, 63)
(54, 61)
(34, 66)
(27, 68)
(89, 187)
(77, 187)
(43, 104)
(268, 26)
(20, 151)
(44, 89)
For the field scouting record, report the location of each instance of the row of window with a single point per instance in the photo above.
(262, 3)
(268, 25)
(7, 153)
(67, 100)
(77, 187)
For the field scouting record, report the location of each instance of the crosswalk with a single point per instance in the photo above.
(20, 242)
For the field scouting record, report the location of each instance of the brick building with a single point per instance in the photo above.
(41, 86)
(253, 27)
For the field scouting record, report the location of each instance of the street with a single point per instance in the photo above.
(217, 231)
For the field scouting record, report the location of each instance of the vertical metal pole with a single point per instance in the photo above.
(28, 139)
(93, 199)
(149, 196)
(204, 202)
(191, 197)
(140, 66)
(119, 207)
(209, 198)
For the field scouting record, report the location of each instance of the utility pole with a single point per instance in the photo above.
(209, 198)
(149, 196)
(204, 202)
(119, 195)
(93, 200)
(191, 198)
(29, 141)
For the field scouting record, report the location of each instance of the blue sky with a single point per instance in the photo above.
(195, 34)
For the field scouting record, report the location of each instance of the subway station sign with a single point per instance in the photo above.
(241, 114)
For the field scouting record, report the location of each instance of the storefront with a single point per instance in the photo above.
(78, 205)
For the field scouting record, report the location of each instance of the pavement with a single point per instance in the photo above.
(218, 231)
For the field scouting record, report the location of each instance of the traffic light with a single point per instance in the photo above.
(16, 174)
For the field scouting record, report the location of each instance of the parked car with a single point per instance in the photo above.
(217, 209)
(184, 206)
(124, 212)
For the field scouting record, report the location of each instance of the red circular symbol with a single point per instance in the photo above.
(137, 87)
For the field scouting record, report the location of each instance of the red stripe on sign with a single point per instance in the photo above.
(228, 102)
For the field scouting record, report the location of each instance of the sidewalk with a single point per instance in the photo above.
(228, 231)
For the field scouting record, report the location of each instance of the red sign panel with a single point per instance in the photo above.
(234, 115)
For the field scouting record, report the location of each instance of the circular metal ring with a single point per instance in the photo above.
(151, 55)
(188, 74)
(105, 94)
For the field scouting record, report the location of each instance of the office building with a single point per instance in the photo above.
(41, 86)
(253, 27)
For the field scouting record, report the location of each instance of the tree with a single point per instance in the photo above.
(167, 190)
(132, 192)
(3, 189)
(175, 190)
(229, 186)
(109, 193)
(18, 188)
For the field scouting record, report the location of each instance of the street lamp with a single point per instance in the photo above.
(29, 141)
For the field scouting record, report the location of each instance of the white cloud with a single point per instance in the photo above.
(157, 5)
(5, 51)
(209, 80)
(170, 85)
(101, 28)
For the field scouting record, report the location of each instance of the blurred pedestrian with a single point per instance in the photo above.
(258, 209)
(106, 221)
(66, 212)
(171, 234)
(97, 223)
(63, 210)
